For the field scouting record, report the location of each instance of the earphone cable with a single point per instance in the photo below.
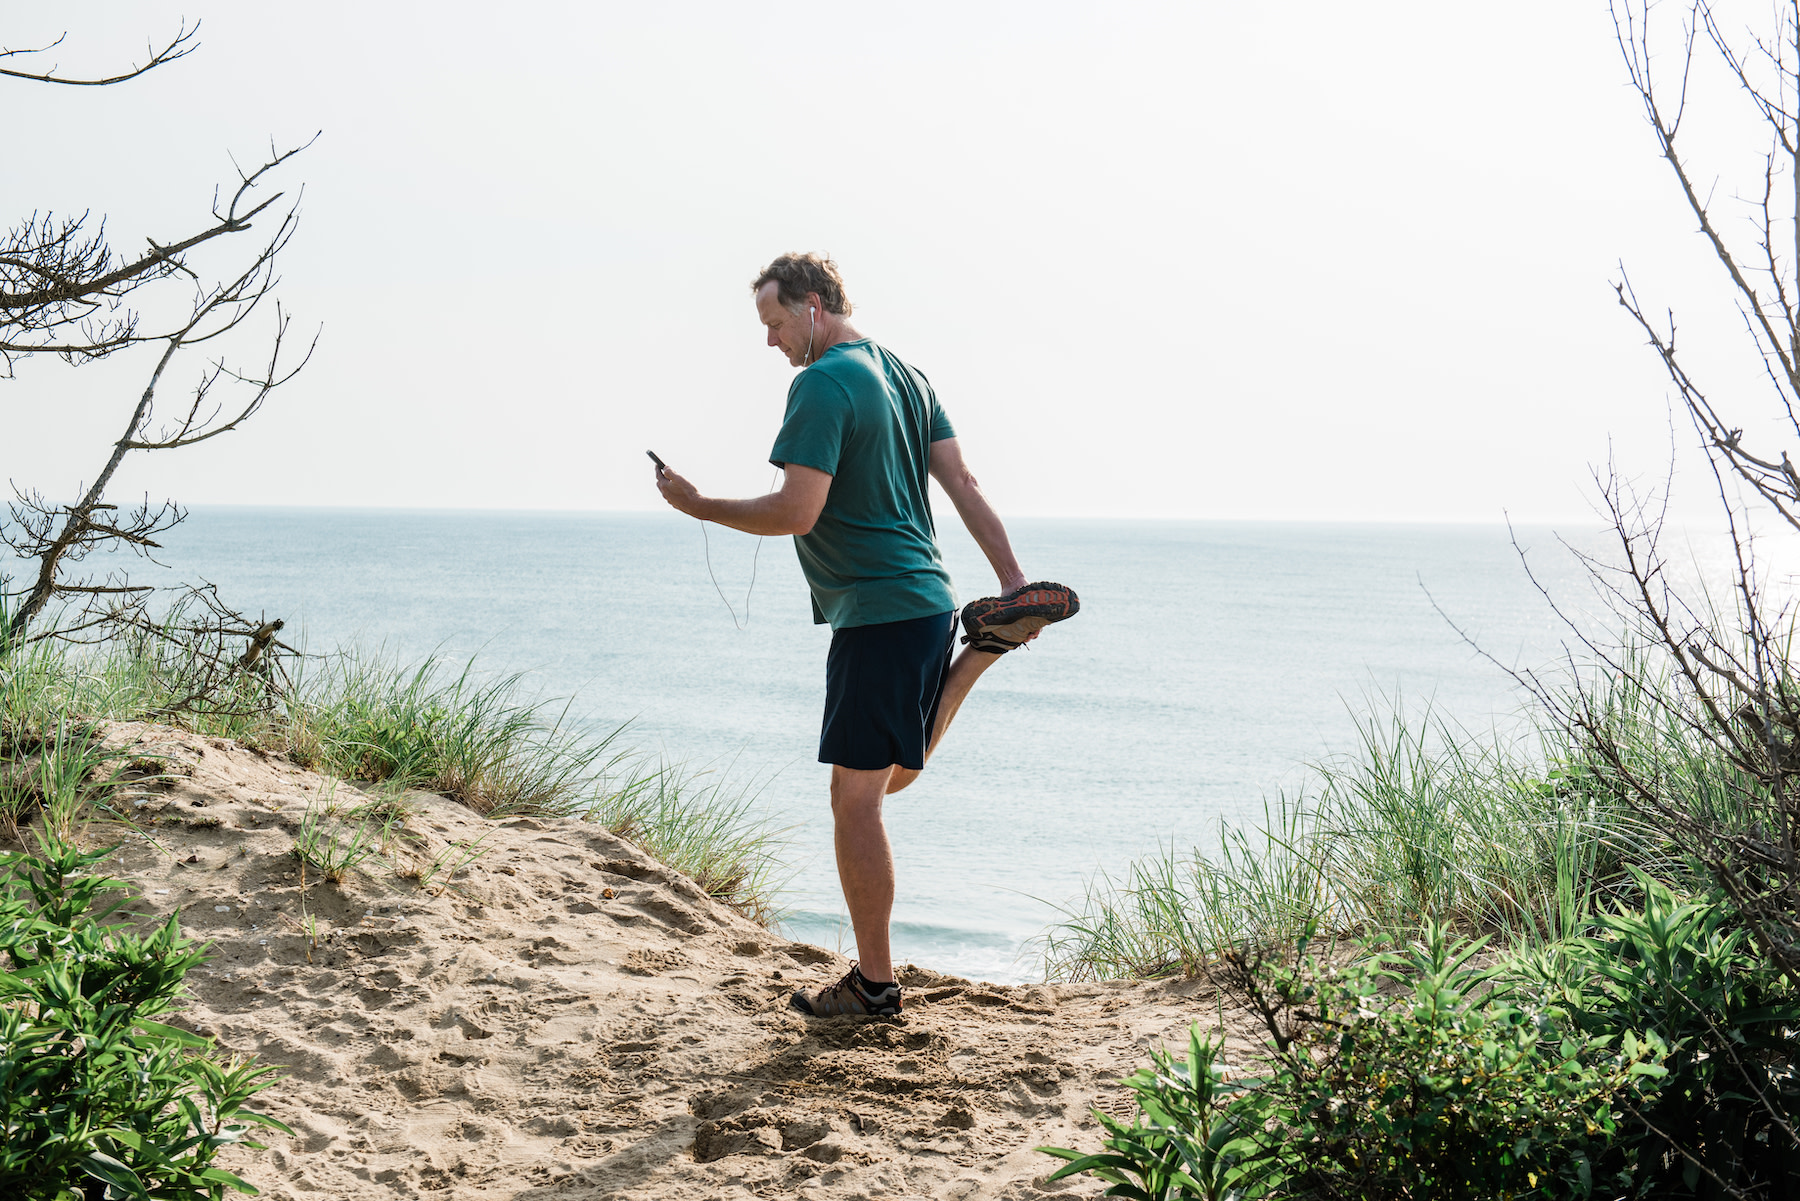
(706, 545)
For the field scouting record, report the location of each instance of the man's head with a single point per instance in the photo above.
(800, 299)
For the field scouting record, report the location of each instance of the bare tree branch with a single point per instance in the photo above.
(182, 45)
(64, 290)
(56, 279)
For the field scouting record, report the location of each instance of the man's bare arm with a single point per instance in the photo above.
(960, 485)
(791, 509)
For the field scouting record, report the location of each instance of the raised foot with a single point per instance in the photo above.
(997, 624)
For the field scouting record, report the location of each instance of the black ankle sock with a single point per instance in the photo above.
(871, 987)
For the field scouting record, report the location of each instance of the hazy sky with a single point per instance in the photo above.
(1300, 260)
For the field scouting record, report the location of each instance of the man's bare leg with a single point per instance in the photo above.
(965, 669)
(865, 863)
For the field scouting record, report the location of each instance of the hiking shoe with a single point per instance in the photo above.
(851, 995)
(997, 624)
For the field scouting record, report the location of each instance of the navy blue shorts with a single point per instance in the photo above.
(882, 687)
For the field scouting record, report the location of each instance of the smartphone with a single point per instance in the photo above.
(660, 465)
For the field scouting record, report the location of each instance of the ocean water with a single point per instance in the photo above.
(1209, 664)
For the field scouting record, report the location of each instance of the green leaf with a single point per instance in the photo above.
(104, 1167)
(221, 1176)
(173, 1034)
(262, 1119)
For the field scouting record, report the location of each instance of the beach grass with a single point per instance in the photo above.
(706, 825)
(1519, 837)
(363, 716)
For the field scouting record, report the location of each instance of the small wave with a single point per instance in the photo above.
(979, 954)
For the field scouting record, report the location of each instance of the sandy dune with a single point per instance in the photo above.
(572, 1020)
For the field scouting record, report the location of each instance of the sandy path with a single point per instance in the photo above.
(572, 1020)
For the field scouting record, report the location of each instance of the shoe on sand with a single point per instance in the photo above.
(851, 996)
(997, 624)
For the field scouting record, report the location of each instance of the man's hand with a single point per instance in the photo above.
(678, 491)
(791, 510)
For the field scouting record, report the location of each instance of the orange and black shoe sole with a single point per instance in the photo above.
(1050, 601)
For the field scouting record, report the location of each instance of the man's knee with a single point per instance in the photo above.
(857, 793)
(843, 807)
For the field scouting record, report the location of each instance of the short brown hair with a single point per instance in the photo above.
(798, 274)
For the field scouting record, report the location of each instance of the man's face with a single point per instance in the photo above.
(788, 332)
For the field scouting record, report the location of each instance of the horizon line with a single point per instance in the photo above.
(1589, 520)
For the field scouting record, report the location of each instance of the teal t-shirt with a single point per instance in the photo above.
(869, 420)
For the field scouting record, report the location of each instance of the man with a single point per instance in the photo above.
(863, 431)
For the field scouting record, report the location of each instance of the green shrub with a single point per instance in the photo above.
(383, 743)
(1416, 1078)
(1687, 971)
(1183, 1142)
(96, 1099)
(1405, 1076)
